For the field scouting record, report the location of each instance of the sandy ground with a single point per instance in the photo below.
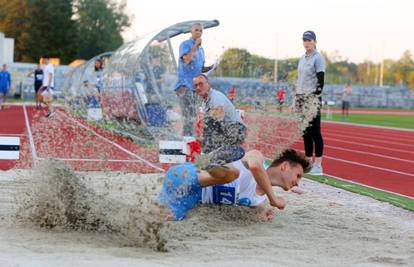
(323, 227)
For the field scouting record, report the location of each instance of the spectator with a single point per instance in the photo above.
(5, 83)
(232, 93)
(345, 100)
(190, 63)
(311, 75)
(38, 80)
(99, 73)
(222, 124)
(158, 70)
(46, 91)
(281, 95)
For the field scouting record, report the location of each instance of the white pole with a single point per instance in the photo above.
(276, 70)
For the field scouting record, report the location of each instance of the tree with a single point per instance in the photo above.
(100, 23)
(14, 23)
(39, 27)
(234, 63)
(52, 30)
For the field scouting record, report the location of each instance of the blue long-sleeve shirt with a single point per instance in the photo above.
(5, 80)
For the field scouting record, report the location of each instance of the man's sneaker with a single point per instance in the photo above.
(50, 114)
(316, 170)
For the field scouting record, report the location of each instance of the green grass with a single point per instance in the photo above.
(396, 200)
(18, 100)
(398, 121)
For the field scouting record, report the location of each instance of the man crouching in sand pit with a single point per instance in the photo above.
(222, 124)
(245, 182)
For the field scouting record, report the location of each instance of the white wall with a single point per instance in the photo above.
(6, 49)
(1, 48)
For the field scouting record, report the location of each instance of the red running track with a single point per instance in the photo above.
(80, 144)
(377, 157)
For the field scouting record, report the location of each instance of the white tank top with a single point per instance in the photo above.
(245, 188)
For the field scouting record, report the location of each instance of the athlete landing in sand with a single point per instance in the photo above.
(246, 182)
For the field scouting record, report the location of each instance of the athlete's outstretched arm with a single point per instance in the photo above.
(218, 175)
(254, 160)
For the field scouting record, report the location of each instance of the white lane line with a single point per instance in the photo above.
(370, 166)
(97, 160)
(385, 137)
(357, 163)
(369, 126)
(361, 184)
(367, 145)
(280, 138)
(369, 139)
(369, 153)
(111, 142)
(29, 131)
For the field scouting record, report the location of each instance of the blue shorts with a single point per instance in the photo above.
(181, 190)
(4, 90)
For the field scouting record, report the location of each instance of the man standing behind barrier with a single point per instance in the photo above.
(190, 64)
(5, 83)
(38, 80)
(46, 92)
(222, 124)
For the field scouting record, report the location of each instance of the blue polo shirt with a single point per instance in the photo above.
(186, 72)
(5, 81)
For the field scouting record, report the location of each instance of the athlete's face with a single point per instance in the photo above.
(291, 175)
(309, 45)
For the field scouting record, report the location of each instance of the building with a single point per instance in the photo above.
(6, 49)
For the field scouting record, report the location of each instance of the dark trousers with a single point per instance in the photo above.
(217, 134)
(312, 134)
(187, 101)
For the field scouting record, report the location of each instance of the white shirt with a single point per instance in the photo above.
(245, 187)
(48, 69)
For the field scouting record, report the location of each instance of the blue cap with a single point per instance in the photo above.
(309, 35)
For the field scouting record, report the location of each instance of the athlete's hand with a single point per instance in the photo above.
(278, 202)
(198, 42)
(297, 190)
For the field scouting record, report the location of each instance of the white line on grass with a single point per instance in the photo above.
(372, 187)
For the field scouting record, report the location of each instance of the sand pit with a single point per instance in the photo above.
(113, 226)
